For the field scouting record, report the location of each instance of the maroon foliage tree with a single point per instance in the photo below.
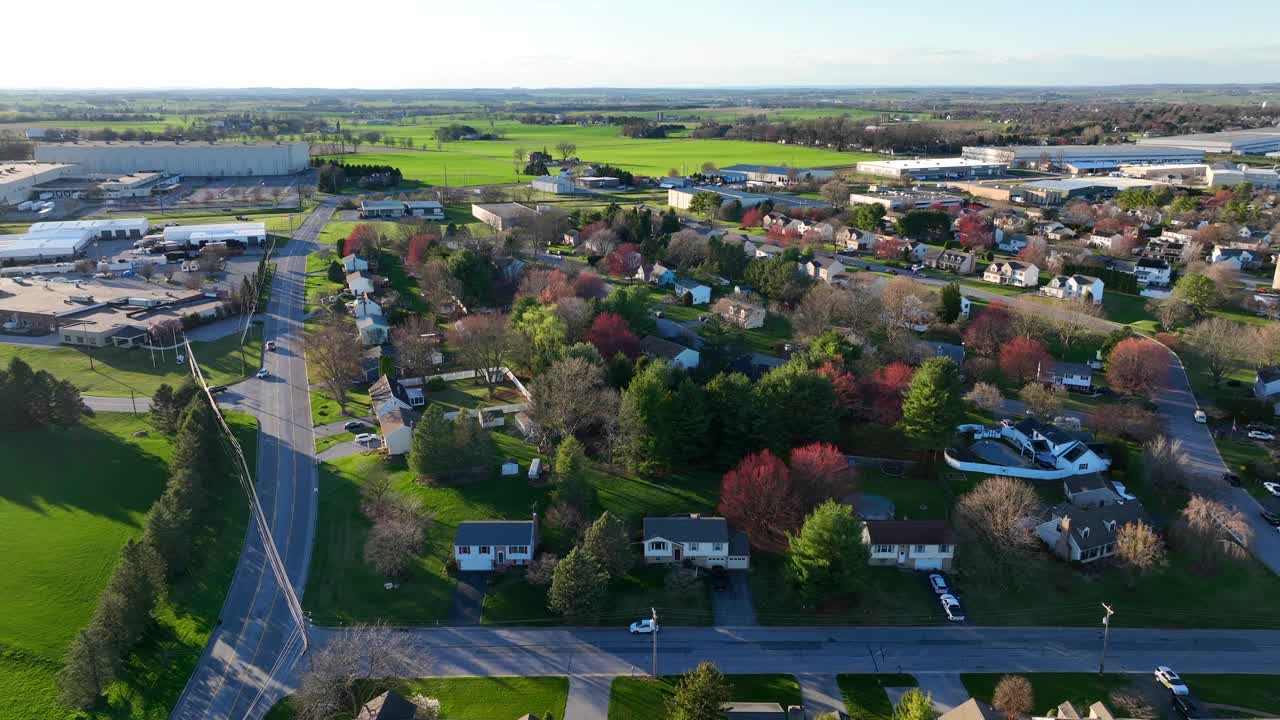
(820, 472)
(588, 285)
(1138, 366)
(880, 393)
(1022, 359)
(843, 383)
(751, 218)
(758, 497)
(975, 231)
(990, 330)
(624, 260)
(611, 335)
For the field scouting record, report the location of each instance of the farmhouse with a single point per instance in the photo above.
(912, 544)
(486, 544)
(740, 312)
(1013, 273)
(704, 541)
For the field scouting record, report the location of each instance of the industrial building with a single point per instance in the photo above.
(1057, 192)
(1236, 142)
(504, 216)
(898, 200)
(931, 169)
(97, 314)
(249, 233)
(429, 209)
(556, 184)
(682, 197)
(43, 247)
(100, 229)
(1261, 178)
(17, 180)
(1082, 157)
(773, 174)
(195, 159)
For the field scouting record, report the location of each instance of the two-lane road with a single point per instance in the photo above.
(255, 644)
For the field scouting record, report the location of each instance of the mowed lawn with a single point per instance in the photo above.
(66, 516)
(864, 694)
(1052, 689)
(478, 698)
(635, 698)
(115, 372)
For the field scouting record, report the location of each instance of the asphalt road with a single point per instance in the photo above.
(254, 644)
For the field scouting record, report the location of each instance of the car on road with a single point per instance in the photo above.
(951, 606)
(719, 578)
(271, 345)
(261, 373)
(1260, 435)
(1270, 518)
(644, 627)
(1122, 491)
(917, 268)
(1185, 708)
(1170, 679)
(215, 389)
(1201, 417)
(1271, 487)
(353, 426)
(939, 584)
(1231, 479)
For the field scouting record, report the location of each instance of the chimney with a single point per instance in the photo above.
(1063, 545)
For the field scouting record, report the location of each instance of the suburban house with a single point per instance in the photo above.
(1013, 273)
(925, 349)
(1089, 490)
(972, 709)
(703, 541)
(1103, 242)
(916, 251)
(397, 430)
(390, 705)
(1235, 258)
(1066, 287)
(674, 353)
(1062, 449)
(363, 307)
(1010, 243)
(1068, 375)
(851, 238)
(739, 312)
(912, 544)
(656, 274)
(1151, 271)
(1084, 535)
(386, 396)
(371, 363)
(1266, 385)
(698, 293)
(360, 283)
(381, 209)
(826, 269)
(955, 261)
(354, 263)
(766, 250)
(373, 329)
(1067, 711)
(488, 544)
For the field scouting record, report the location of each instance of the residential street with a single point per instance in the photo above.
(255, 645)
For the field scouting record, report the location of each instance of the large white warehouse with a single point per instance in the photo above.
(246, 232)
(17, 179)
(100, 229)
(196, 159)
(46, 246)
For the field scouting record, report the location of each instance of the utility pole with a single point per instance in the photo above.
(1106, 633)
(654, 615)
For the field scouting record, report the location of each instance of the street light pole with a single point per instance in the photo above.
(1106, 635)
(654, 615)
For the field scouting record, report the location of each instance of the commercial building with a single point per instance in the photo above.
(1083, 157)
(931, 169)
(101, 229)
(1236, 142)
(93, 313)
(1059, 191)
(681, 197)
(555, 184)
(17, 180)
(774, 174)
(591, 182)
(196, 159)
(504, 216)
(381, 209)
(429, 209)
(903, 200)
(1260, 178)
(249, 233)
(43, 247)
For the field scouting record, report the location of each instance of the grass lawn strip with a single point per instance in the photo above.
(1052, 689)
(635, 698)
(864, 695)
(476, 698)
(1256, 692)
(324, 409)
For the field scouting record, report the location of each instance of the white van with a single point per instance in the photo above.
(535, 469)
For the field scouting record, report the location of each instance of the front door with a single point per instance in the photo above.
(677, 552)
(501, 557)
(902, 554)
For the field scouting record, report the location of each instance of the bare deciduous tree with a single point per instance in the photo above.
(1013, 696)
(571, 396)
(991, 518)
(416, 343)
(1043, 401)
(985, 396)
(334, 356)
(399, 529)
(1210, 531)
(1264, 345)
(687, 249)
(542, 569)
(333, 684)
(1169, 312)
(1163, 460)
(439, 286)
(1073, 325)
(1220, 343)
(483, 344)
(1138, 547)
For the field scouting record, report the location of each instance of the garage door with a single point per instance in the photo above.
(929, 564)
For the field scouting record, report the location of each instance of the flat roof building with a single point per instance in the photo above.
(902, 200)
(1056, 192)
(1238, 142)
(43, 247)
(99, 229)
(196, 159)
(681, 197)
(198, 235)
(1095, 157)
(503, 216)
(775, 174)
(931, 169)
(18, 179)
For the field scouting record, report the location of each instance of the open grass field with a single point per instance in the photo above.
(634, 698)
(864, 695)
(1257, 692)
(1052, 689)
(891, 597)
(66, 516)
(324, 409)
(479, 698)
(115, 372)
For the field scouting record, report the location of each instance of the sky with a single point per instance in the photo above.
(653, 43)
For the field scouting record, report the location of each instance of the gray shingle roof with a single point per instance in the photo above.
(687, 529)
(494, 532)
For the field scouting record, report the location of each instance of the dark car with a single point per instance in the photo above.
(1271, 518)
(1184, 707)
(719, 578)
(1231, 479)
(353, 426)
(215, 389)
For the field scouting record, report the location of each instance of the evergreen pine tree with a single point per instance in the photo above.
(934, 405)
(607, 541)
(578, 585)
(949, 302)
(700, 695)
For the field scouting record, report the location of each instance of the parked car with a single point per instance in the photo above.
(1201, 417)
(719, 578)
(644, 627)
(1271, 518)
(271, 345)
(365, 438)
(180, 359)
(353, 426)
(939, 584)
(1231, 479)
(262, 373)
(1122, 491)
(1170, 679)
(1184, 707)
(215, 389)
(1271, 487)
(1260, 426)
(1260, 435)
(951, 606)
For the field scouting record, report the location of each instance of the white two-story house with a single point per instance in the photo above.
(1013, 273)
(912, 544)
(1151, 271)
(1058, 448)
(1074, 286)
(487, 544)
(703, 541)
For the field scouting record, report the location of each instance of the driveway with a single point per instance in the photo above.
(468, 598)
(733, 607)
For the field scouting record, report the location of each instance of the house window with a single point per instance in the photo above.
(658, 545)
(944, 548)
(518, 549)
(918, 549)
(1083, 466)
(693, 546)
(464, 549)
(882, 549)
(718, 547)
(484, 549)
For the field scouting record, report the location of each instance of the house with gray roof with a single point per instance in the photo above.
(1084, 535)
(1067, 374)
(673, 353)
(486, 544)
(390, 705)
(1089, 490)
(703, 541)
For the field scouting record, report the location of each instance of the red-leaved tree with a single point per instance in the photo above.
(547, 286)
(624, 260)
(989, 330)
(418, 245)
(1022, 359)
(880, 393)
(611, 335)
(360, 236)
(820, 472)
(891, 248)
(588, 285)
(759, 498)
(975, 231)
(843, 383)
(1137, 366)
(751, 218)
